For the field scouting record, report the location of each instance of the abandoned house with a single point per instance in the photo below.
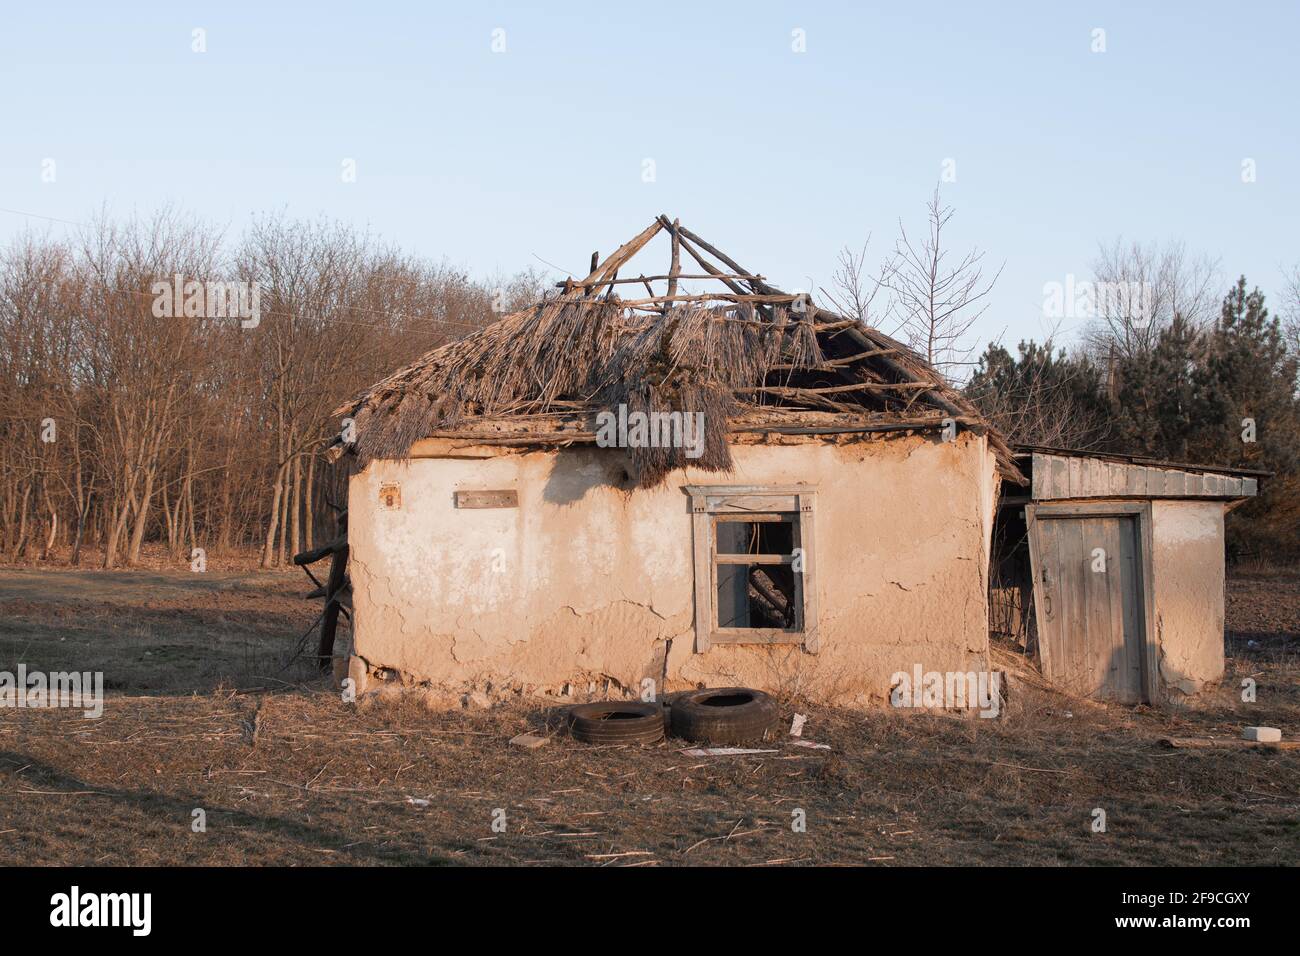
(631, 481)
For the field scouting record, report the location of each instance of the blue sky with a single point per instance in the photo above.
(498, 160)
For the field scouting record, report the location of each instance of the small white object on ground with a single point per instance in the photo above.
(528, 741)
(796, 725)
(417, 802)
(723, 751)
(809, 744)
(1265, 735)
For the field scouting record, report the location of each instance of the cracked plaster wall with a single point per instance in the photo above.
(1187, 566)
(586, 581)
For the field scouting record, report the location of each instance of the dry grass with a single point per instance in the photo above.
(296, 776)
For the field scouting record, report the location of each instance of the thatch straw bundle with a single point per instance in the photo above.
(582, 355)
(722, 354)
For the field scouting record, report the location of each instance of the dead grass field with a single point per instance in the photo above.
(203, 713)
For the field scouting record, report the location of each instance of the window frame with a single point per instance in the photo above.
(711, 503)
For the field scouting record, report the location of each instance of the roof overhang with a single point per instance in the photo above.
(1060, 474)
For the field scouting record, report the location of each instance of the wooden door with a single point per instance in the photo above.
(1088, 589)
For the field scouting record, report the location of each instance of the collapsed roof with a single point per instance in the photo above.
(747, 355)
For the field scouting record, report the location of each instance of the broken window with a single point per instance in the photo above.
(753, 566)
(754, 555)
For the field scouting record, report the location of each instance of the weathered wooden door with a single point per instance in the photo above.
(1088, 591)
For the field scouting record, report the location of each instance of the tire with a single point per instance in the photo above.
(617, 722)
(724, 715)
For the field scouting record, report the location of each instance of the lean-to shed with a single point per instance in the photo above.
(1110, 569)
(689, 478)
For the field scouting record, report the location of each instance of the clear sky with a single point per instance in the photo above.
(496, 160)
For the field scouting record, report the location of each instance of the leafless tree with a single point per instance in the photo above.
(1137, 291)
(190, 431)
(937, 299)
(1290, 309)
(851, 292)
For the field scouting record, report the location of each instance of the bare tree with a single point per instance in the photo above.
(122, 428)
(1290, 310)
(852, 293)
(1138, 289)
(937, 299)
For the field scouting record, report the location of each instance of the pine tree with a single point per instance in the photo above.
(1154, 404)
(1248, 377)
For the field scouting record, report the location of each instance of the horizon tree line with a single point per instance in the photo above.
(126, 423)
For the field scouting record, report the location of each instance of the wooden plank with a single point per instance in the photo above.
(714, 490)
(1099, 635)
(1227, 743)
(1047, 598)
(1117, 572)
(806, 583)
(1151, 687)
(1042, 643)
(1063, 607)
(1130, 610)
(1060, 471)
(333, 606)
(702, 532)
(755, 635)
(487, 499)
(758, 503)
(1117, 483)
(1104, 638)
(1090, 508)
(1095, 478)
(1075, 580)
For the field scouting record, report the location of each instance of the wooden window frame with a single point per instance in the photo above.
(713, 503)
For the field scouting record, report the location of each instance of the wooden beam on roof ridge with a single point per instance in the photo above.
(577, 284)
(714, 271)
(758, 284)
(681, 233)
(866, 336)
(675, 266)
(622, 254)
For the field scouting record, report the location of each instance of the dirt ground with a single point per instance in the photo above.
(206, 712)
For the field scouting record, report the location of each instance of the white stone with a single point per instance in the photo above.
(1265, 735)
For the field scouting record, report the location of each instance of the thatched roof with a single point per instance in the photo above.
(540, 376)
